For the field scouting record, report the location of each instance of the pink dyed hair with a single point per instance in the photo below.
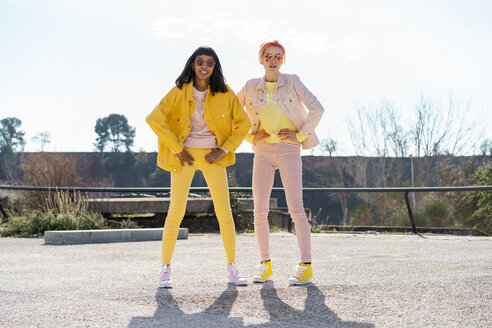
(274, 43)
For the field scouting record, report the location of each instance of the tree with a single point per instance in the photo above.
(377, 131)
(11, 138)
(42, 138)
(439, 131)
(115, 130)
(481, 200)
(329, 146)
(11, 142)
(50, 169)
(486, 147)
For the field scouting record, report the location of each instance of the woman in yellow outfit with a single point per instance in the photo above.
(199, 125)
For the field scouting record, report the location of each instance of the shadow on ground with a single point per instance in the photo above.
(314, 314)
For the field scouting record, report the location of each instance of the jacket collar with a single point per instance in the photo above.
(280, 81)
(188, 90)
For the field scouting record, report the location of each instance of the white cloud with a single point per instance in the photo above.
(201, 27)
(167, 27)
(355, 48)
(222, 26)
(309, 41)
(225, 26)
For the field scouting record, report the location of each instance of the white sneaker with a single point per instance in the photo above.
(165, 276)
(234, 276)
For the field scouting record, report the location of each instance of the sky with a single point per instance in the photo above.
(66, 63)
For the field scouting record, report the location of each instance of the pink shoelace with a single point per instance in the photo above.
(165, 273)
(233, 272)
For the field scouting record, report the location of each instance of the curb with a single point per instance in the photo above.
(71, 237)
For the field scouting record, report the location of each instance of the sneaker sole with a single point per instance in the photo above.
(298, 283)
(170, 285)
(260, 280)
(239, 283)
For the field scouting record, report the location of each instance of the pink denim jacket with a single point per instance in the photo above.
(292, 98)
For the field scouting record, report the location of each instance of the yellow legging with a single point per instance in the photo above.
(216, 178)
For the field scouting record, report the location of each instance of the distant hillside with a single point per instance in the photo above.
(139, 170)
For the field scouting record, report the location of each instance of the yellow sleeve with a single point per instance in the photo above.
(300, 137)
(157, 121)
(249, 138)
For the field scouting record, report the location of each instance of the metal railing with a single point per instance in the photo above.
(405, 190)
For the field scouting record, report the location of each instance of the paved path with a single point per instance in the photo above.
(361, 280)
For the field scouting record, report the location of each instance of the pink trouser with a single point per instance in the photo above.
(287, 158)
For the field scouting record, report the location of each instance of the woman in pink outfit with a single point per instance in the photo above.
(276, 106)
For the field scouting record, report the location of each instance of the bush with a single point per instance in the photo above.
(242, 220)
(436, 213)
(38, 222)
(362, 215)
(54, 170)
(64, 202)
(10, 205)
(63, 211)
(125, 224)
(481, 201)
(384, 210)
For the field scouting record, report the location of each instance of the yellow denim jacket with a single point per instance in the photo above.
(170, 120)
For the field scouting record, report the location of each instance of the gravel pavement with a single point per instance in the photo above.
(361, 280)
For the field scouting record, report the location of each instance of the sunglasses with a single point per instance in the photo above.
(199, 62)
(278, 58)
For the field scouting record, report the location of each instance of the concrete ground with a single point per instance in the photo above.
(361, 280)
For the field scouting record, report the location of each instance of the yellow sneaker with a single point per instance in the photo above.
(264, 272)
(302, 275)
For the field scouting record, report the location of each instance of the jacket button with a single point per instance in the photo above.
(251, 104)
(174, 170)
(223, 115)
(256, 113)
(290, 100)
(261, 100)
(177, 158)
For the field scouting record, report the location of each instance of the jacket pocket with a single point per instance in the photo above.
(223, 115)
(293, 110)
(293, 106)
(176, 118)
(250, 101)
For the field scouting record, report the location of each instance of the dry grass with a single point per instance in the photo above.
(64, 202)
